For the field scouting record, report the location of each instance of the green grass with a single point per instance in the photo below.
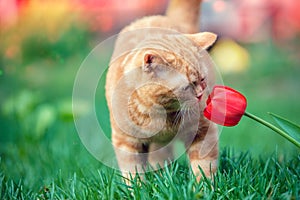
(240, 176)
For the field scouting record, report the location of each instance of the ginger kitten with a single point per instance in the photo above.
(156, 89)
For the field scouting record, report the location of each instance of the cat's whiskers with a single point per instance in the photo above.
(187, 110)
(178, 118)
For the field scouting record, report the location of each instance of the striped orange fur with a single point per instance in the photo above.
(154, 82)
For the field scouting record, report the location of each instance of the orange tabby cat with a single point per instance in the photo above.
(156, 90)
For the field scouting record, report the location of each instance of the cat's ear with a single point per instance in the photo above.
(203, 39)
(148, 62)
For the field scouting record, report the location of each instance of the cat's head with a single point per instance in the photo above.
(174, 67)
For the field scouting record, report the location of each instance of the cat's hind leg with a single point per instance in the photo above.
(158, 159)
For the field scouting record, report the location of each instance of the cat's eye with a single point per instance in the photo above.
(203, 79)
(194, 83)
(187, 87)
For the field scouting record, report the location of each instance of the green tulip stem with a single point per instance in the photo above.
(274, 128)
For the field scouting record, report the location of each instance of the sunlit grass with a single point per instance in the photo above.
(240, 176)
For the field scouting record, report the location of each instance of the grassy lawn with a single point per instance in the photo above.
(240, 176)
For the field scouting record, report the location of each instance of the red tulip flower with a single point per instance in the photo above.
(225, 106)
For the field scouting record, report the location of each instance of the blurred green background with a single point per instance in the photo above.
(43, 44)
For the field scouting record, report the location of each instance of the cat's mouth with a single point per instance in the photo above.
(199, 96)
